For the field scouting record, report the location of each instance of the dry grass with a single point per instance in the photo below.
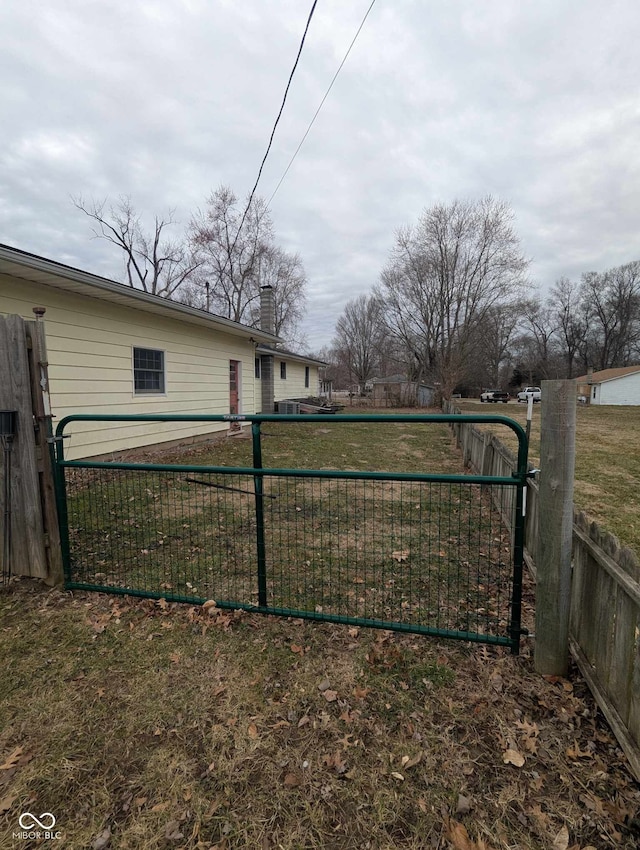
(435, 555)
(143, 724)
(162, 726)
(607, 461)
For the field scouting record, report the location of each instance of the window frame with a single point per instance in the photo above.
(257, 369)
(307, 377)
(161, 390)
(283, 370)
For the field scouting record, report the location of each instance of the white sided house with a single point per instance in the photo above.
(116, 350)
(611, 386)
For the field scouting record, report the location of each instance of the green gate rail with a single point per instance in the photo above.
(409, 551)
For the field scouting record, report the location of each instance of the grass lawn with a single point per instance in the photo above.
(430, 554)
(607, 461)
(141, 724)
(147, 724)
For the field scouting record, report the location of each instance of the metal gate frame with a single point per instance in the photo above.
(258, 472)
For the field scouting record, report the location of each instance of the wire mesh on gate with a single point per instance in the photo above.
(179, 536)
(416, 553)
(425, 554)
(436, 553)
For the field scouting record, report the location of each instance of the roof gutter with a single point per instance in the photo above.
(14, 256)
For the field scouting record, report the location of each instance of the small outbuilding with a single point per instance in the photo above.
(397, 391)
(611, 386)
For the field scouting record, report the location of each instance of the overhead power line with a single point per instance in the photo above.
(284, 100)
(311, 123)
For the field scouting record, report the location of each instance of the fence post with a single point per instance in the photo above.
(553, 586)
(39, 370)
(258, 482)
(27, 554)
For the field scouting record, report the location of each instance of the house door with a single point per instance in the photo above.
(234, 385)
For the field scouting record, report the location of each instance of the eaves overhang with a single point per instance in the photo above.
(20, 264)
(283, 354)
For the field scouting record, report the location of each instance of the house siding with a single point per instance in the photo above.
(623, 390)
(293, 386)
(90, 344)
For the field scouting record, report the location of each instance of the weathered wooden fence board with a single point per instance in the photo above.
(605, 597)
(28, 555)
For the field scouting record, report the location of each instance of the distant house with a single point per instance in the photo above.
(397, 391)
(116, 350)
(611, 386)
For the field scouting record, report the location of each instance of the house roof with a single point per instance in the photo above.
(37, 269)
(608, 375)
(288, 355)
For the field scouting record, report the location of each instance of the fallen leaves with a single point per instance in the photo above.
(430, 748)
(172, 831)
(529, 733)
(464, 805)
(457, 835)
(513, 757)
(17, 759)
(561, 841)
(12, 760)
(408, 762)
(335, 761)
(327, 691)
(401, 555)
(102, 841)
(6, 803)
(576, 753)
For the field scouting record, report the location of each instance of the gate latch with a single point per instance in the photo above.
(533, 472)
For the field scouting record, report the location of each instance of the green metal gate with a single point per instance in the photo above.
(428, 552)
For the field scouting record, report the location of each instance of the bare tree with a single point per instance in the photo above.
(612, 311)
(494, 338)
(443, 278)
(540, 329)
(358, 335)
(337, 370)
(153, 263)
(566, 306)
(285, 274)
(239, 255)
(230, 256)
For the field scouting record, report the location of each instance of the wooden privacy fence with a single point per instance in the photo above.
(604, 635)
(34, 538)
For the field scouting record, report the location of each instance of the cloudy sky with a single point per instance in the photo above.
(537, 103)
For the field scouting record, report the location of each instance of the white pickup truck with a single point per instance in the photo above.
(529, 391)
